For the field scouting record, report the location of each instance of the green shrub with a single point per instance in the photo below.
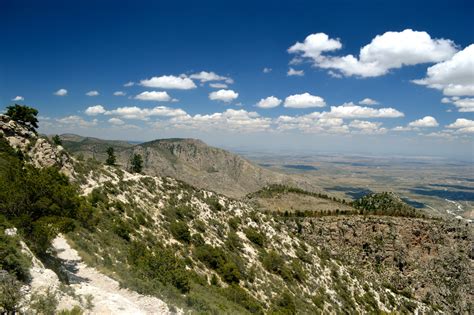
(239, 296)
(233, 242)
(10, 293)
(76, 310)
(159, 265)
(44, 303)
(275, 263)
(234, 223)
(180, 231)
(200, 226)
(255, 236)
(214, 204)
(123, 230)
(212, 257)
(285, 304)
(230, 273)
(197, 240)
(12, 259)
(297, 271)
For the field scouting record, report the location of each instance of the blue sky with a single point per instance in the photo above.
(355, 50)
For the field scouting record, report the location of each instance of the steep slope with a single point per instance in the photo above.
(429, 260)
(203, 252)
(30, 215)
(189, 160)
(223, 254)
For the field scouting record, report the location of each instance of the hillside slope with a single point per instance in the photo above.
(189, 160)
(202, 252)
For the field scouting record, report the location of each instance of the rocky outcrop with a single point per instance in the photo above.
(40, 152)
(426, 259)
(18, 136)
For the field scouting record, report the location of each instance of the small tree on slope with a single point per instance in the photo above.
(110, 156)
(136, 163)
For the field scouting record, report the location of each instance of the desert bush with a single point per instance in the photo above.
(275, 263)
(10, 293)
(255, 236)
(234, 222)
(285, 304)
(214, 204)
(239, 296)
(197, 240)
(233, 242)
(180, 231)
(45, 304)
(230, 273)
(12, 259)
(159, 264)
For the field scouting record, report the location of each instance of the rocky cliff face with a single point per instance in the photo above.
(430, 260)
(38, 150)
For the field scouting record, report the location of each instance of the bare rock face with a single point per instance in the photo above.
(18, 136)
(40, 151)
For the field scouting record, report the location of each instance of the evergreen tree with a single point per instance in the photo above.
(136, 163)
(111, 159)
(57, 140)
(24, 115)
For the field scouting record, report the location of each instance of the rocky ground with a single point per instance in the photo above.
(431, 260)
(107, 295)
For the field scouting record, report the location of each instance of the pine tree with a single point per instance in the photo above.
(24, 115)
(136, 163)
(111, 159)
(57, 140)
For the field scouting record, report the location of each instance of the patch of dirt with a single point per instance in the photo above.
(108, 297)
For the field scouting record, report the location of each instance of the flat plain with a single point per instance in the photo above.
(441, 187)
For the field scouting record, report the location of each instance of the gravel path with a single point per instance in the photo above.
(108, 297)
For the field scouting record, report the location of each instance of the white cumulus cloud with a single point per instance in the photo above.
(135, 112)
(60, 92)
(229, 120)
(390, 50)
(116, 121)
(314, 45)
(367, 127)
(92, 93)
(304, 100)
(455, 77)
(350, 110)
(119, 93)
(292, 72)
(223, 95)
(169, 82)
(464, 105)
(267, 70)
(205, 76)
(269, 102)
(218, 85)
(462, 125)
(153, 96)
(427, 121)
(95, 110)
(18, 98)
(368, 101)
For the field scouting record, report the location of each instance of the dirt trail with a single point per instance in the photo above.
(108, 297)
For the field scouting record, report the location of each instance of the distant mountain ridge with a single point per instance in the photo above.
(189, 160)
